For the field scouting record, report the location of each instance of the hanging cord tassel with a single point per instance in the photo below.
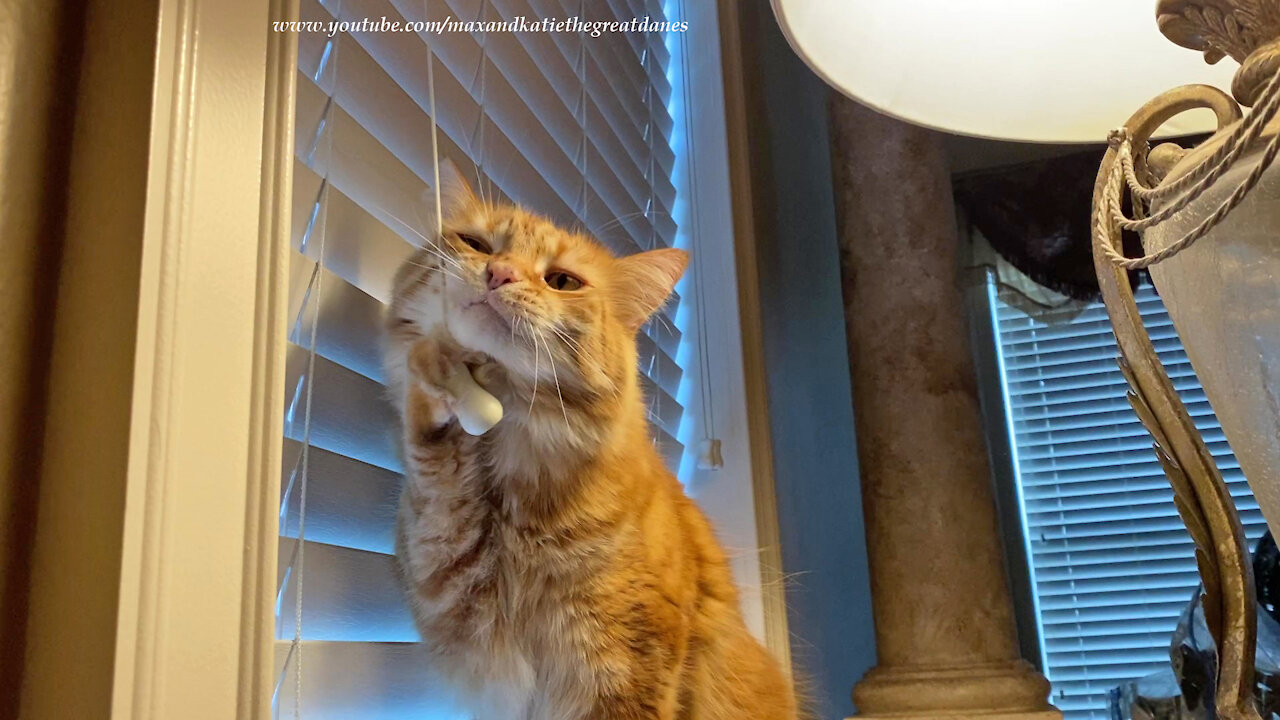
(1192, 185)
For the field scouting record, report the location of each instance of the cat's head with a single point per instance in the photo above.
(547, 304)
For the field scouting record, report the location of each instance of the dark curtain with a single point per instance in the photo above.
(1038, 215)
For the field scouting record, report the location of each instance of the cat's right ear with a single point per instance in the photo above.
(455, 194)
(644, 281)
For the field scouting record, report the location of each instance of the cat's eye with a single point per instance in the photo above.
(563, 281)
(475, 243)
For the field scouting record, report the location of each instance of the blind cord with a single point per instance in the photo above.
(706, 393)
(651, 170)
(435, 159)
(481, 145)
(325, 135)
(300, 556)
(581, 69)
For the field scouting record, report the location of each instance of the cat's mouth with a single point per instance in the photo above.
(487, 315)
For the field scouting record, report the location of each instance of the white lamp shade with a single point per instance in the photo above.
(1026, 70)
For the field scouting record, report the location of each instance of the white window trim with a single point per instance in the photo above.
(744, 317)
(194, 624)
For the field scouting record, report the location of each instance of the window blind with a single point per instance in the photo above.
(1112, 565)
(574, 126)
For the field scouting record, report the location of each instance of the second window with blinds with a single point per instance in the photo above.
(1110, 564)
(621, 135)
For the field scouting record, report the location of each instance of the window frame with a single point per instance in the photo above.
(980, 287)
(202, 487)
(750, 323)
(204, 452)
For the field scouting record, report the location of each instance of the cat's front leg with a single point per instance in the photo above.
(445, 534)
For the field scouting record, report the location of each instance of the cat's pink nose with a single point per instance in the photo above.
(500, 274)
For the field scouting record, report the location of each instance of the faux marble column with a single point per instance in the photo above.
(945, 633)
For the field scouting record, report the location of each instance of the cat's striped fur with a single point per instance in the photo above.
(555, 567)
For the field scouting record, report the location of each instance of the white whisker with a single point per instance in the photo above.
(434, 250)
(617, 221)
(556, 376)
(534, 395)
(583, 356)
(430, 245)
(659, 317)
(569, 342)
(424, 281)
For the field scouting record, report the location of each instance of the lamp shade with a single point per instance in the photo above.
(1027, 70)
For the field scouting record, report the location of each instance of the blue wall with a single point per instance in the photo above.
(811, 414)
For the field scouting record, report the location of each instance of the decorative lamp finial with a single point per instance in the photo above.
(1246, 30)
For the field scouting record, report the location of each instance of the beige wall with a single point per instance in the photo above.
(39, 55)
(139, 229)
(75, 99)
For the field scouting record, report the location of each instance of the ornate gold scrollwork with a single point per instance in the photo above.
(1201, 495)
(1245, 30)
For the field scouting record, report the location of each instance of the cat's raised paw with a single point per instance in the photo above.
(442, 370)
(434, 364)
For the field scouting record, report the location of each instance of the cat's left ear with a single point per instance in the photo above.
(456, 194)
(642, 283)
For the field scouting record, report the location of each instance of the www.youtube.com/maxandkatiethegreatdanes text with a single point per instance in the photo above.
(520, 24)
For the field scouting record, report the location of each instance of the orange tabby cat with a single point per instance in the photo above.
(555, 568)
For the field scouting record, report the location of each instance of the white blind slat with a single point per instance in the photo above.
(1111, 634)
(358, 248)
(349, 416)
(357, 164)
(366, 680)
(346, 321)
(350, 595)
(1065, 621)
(1113, 543)
(349, 503)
